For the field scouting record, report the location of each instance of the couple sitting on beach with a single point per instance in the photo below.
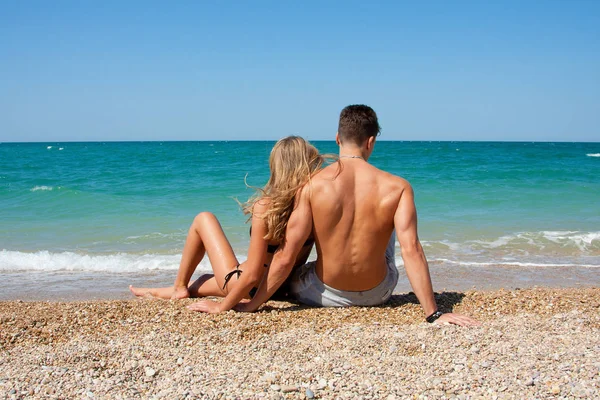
(348, 209)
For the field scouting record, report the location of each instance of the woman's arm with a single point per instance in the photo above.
(298, 230)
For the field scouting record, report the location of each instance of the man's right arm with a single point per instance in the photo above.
(417, 270)
(415, 262)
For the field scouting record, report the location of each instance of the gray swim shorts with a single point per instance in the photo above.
(308, 289)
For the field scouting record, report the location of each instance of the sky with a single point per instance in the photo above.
(261, 70)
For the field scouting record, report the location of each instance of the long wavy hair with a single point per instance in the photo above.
(293, 161)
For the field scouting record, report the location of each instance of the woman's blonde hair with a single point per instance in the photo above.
(293, 161)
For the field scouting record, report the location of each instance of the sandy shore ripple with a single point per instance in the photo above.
(534, 343)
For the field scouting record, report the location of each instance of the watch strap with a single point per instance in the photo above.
(434, 316)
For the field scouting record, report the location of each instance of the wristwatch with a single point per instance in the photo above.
(434, 316)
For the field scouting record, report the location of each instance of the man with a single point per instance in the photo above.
(352, 209)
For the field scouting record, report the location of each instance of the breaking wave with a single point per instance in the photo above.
(69, 261)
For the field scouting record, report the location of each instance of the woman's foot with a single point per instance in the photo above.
(166, 293)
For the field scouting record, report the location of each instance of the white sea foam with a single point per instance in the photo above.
(61, 148)
(45, 261)
(593, 155)
(49, 147)
(44, 188)
(581, 239)
(585, 243)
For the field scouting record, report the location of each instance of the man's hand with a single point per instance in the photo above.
(456, 319)
(206, 306)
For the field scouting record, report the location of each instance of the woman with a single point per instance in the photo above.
(292, 163)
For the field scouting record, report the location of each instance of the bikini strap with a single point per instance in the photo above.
(237, 271)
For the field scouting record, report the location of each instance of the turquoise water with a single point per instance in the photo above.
(126, 207)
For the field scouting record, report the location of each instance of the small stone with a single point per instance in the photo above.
(322, 384)
(529, 382)
(179, 361)
(289, 389)
(150, 372)
(276, 388)
(309, 394)
(555, 389)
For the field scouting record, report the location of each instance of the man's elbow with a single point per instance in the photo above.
(411, 249)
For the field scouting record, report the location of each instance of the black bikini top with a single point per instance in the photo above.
(272, 248)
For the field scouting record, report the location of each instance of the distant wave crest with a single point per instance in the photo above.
(42, 188)
(593, 155)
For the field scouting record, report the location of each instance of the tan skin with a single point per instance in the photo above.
(206, 237)
(352, 215)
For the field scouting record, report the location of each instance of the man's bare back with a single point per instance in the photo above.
(353, 206)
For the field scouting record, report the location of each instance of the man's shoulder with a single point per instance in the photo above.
(324, 176)
(391, 179)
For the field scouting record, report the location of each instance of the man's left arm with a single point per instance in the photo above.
(298, 230)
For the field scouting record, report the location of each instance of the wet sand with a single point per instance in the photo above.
(70, 286)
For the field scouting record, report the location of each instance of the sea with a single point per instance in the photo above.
(85, 220)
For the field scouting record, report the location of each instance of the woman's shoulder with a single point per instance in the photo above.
(261, 206)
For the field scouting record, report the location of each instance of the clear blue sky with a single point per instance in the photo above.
(208, 70)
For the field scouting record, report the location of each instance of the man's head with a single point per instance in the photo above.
(358, 123)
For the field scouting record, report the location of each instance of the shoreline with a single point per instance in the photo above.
(81, 286)
(538, 342)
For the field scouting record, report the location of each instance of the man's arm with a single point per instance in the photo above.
(298, 229)
(415, 262)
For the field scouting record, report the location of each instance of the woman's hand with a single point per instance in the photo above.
(206, 306)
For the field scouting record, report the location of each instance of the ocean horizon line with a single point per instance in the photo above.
(275, 140)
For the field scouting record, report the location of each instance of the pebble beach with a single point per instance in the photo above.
(532, 343)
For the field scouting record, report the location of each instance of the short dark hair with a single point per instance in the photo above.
(358, 123)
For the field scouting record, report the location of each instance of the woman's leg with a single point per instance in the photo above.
(206, 285)
(205, 236)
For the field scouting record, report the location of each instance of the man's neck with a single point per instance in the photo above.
(353, 152)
